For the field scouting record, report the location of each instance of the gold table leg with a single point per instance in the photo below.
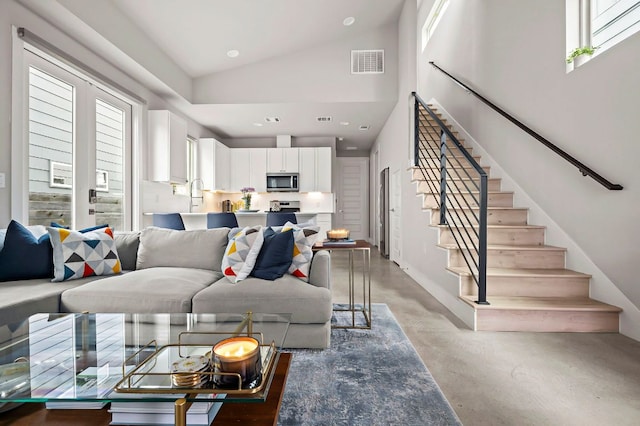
(181, 408)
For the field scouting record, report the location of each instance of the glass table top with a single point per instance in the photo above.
(83, 357)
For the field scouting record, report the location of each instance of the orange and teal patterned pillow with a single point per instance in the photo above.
(78, 255)
(241, 253)
(303, 240)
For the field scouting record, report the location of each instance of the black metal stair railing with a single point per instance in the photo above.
(582, 168)
(457, 185)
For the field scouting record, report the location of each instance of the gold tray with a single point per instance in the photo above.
(153, 375)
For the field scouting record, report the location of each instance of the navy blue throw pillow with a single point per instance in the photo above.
(24, 256)
(275, 256)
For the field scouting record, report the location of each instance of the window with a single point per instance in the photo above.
(613, 20)
(435, 15)
(600, 23)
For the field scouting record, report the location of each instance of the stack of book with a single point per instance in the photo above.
(162, 413)
(338, 243)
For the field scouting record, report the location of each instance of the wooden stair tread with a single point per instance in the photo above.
(497, 226)
(522, 272)
(452, 246)
(543, 303)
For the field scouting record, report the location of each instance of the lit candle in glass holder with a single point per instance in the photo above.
(239, 355)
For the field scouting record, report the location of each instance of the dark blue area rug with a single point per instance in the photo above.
(366, 377)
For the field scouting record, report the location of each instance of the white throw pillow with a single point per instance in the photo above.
(200, 249)
(241, 253)
(303, 240)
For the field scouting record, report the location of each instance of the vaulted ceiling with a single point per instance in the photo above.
(293, 60)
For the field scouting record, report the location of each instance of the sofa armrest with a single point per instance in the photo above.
(320, 274)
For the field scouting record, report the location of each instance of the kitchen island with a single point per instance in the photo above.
(245, 218)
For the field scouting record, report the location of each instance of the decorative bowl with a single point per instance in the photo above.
(338, 234)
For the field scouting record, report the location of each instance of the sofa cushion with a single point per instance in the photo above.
(200, 249)
(159, 289)
(304, 238)
(127, 243)
(275, 255)
(20, 299)
(241, 253)
(25, 255)
(306, 303)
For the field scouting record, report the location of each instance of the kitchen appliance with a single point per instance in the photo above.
(284, 206)
(282, 182)
(384, 212)
(227, 206)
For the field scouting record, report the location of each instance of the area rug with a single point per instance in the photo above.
(366, 377)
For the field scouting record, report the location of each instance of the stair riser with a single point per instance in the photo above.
(494, 217)
(423, 186)
(461, 169)
(528, 259)
(453, 155)
(456, 175)
(529, 286)
(495, 199)
(433, 140)
(510, 236)
(546, 321)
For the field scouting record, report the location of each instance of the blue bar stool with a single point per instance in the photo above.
(168, 220)
(220, 220)
(279, 219)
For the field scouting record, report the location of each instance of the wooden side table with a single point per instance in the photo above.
(365, 248)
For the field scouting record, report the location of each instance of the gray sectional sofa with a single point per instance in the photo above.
(180, 271)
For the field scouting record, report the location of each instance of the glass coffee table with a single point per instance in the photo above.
(92, 359)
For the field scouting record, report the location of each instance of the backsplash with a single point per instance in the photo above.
(315, 202)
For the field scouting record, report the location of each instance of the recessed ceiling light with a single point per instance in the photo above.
(340, 139)
(348, 21)
(233, 53)
(351, 148)
(345, 123)
(257, 124)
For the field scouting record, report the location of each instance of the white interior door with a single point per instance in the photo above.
(353, 196)
(394, 216)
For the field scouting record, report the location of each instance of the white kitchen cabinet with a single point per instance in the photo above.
(248, 168)
(167, 147)
(323, 220)
(315, 169)
(282, 160)
(214, 164)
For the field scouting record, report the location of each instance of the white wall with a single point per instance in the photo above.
(320, 74)
(12, 13)
(513, 52)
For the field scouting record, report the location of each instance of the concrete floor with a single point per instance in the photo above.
(506, 378)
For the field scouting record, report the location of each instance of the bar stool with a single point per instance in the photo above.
(279, 218)
(220, 220)
(168, 220)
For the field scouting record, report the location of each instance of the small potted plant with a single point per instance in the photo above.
(579, 55)
(246, 196)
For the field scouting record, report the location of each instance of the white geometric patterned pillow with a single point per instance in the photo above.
(77, 255)
(241, 253)
(303, 240)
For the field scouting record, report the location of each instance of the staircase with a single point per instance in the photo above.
(528, 286)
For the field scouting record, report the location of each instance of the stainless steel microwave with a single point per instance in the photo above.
(282, 182)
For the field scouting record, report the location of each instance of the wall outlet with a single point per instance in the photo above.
(2, 180)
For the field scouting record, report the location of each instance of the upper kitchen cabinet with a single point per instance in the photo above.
(214, 164)
(315, 169)
(167, 147)
(282, 160)
(248, 168)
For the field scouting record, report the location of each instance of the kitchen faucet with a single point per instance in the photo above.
(191, 197)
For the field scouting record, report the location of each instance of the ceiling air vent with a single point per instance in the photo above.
(363, 127)
(367, 61)
(323, 119)
(272, 119)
